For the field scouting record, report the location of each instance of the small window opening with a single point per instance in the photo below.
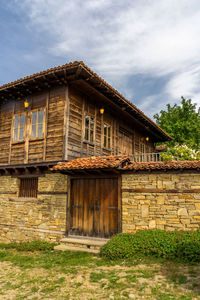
(19, 125)
(107, 136)
(37, 126)
(89, 128)
(28, 187)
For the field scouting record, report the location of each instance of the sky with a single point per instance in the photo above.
(149, 50)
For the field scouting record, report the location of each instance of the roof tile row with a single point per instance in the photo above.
(122, 163)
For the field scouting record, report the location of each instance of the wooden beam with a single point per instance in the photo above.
(78, 72)
(45, 125)
(66, 123)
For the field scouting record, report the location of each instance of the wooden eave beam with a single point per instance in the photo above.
(78, 71)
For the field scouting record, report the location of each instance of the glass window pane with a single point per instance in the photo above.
(109, 143)
(105, 141)
(15, 134)
(87, 118)
(40, 130)
(16, 122)
(86, 134)
(91, 135)
(92, 123)
(34, 118)
(109, 131)
(105, 129)
(33, 131)
(21, 133)
(41, 116)
(22, 121)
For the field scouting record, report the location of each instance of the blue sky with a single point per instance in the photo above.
(149, 50)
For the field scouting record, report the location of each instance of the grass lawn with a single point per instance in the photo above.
(77, 275)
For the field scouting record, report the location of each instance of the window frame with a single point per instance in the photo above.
(142, 148)
(107, 146)
(28, 126)
(89, 129)
(13, 128)
(37, 124)
(32, 192)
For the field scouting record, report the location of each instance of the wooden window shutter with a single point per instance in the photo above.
(28, 187)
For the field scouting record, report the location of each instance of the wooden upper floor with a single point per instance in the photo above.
(61, 114)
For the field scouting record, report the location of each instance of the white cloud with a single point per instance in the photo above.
(123, 38)
(185, 84)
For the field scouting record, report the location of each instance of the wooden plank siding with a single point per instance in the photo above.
(125, 138)
(65, 108)
(50, 146)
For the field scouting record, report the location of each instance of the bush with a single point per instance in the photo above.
(29, 246)
(180, 245)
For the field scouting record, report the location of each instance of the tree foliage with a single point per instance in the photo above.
(180, 152)
(181, 122)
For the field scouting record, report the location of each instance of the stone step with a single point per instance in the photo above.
(84, 241)
(70, 248)
(80, 243)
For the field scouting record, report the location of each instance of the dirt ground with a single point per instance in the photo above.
(95, 281)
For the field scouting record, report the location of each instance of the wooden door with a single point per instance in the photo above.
(94, 207)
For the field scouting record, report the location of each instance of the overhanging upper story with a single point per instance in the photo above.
(64, 118)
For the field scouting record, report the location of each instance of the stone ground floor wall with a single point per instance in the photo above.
(160, 201)
(28, 219)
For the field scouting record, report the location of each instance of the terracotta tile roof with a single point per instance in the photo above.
(162, 165)
(94, 162)
(161, 147)
(81, 64)
(122, 163)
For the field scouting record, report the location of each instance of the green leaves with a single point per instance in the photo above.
(180, 152)
(184, 246)
(182, 122)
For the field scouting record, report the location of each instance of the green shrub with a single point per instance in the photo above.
(29, 246)
(181, 245)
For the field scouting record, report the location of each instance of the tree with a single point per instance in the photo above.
(182, 122)
(180, 152)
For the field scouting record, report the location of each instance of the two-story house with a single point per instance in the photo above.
(61, 114)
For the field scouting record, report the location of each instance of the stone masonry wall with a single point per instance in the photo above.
(28, 219)
(160, 201)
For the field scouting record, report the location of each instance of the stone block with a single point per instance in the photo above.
(152, 224)
(160, 200)
(197, 206)
(145, 211)
(182, 212)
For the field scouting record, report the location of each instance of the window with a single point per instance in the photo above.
(28, 187)
(89, 128)
(19, 125)
(107, 136)
(37, 124)
(147, 149)
(142, 147)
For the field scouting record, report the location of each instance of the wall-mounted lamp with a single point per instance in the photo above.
(147, 139)
(101, 111)
(26, 104)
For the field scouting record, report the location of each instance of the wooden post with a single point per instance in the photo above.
(11, 133)
(119, 204)
(27, 132)
(45, 126)
(66, 124)
(68, 206)
(83, 125)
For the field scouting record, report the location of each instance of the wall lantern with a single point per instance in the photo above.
(147, 139)
(26, 104)
(102, 111)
